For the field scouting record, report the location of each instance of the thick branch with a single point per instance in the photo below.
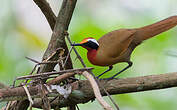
(57, 40)
(82, 92)
(58, 36)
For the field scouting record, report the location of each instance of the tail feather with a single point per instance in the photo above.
(149, 31)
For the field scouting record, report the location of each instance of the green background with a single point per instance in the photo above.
(24, 31)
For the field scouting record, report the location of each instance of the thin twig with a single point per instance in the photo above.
(96, 90)
(39, 63)
(44, 62)
(61, 61)
(77, 107)
(14, 82)
(60, 78)
(78, 56)
(43, 94)
(7, 105)
(54, 54)
(52, 73)
(68, 55)
(35, 61)
(28, 94)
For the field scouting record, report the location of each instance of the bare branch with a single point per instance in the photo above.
(118, 86)
(96, 90)
(82, 92)
(60, 78)
(58, 36)
(58, 25)
(52, 73)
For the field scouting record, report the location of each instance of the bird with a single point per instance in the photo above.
(118, 45)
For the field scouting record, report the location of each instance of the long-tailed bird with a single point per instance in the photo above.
(117, 46)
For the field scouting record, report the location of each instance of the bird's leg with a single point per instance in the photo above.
(109, 69)
(129, 65)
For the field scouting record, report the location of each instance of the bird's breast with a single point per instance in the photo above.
(96, 59)
(91, 55)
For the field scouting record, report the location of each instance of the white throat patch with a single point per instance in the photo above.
(93, 40)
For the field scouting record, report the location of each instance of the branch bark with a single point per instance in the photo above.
(58, 36)
(82, 93)
(59, 25)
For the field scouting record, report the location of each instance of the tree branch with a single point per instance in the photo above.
(82, 93)
(59, 25)
(57, 40)
(58, 36)
(96, 91)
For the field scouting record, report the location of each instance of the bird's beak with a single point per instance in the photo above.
(77, 44)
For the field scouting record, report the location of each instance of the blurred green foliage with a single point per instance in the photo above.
(18, 40)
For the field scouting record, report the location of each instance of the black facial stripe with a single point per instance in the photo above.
(91, 44)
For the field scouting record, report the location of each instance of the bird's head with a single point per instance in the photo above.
(88, 43)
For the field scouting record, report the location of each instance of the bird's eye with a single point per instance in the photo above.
(91, 45)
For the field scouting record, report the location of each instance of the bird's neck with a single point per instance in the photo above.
(91, 54)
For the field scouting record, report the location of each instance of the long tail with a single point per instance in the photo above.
(149, 31)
